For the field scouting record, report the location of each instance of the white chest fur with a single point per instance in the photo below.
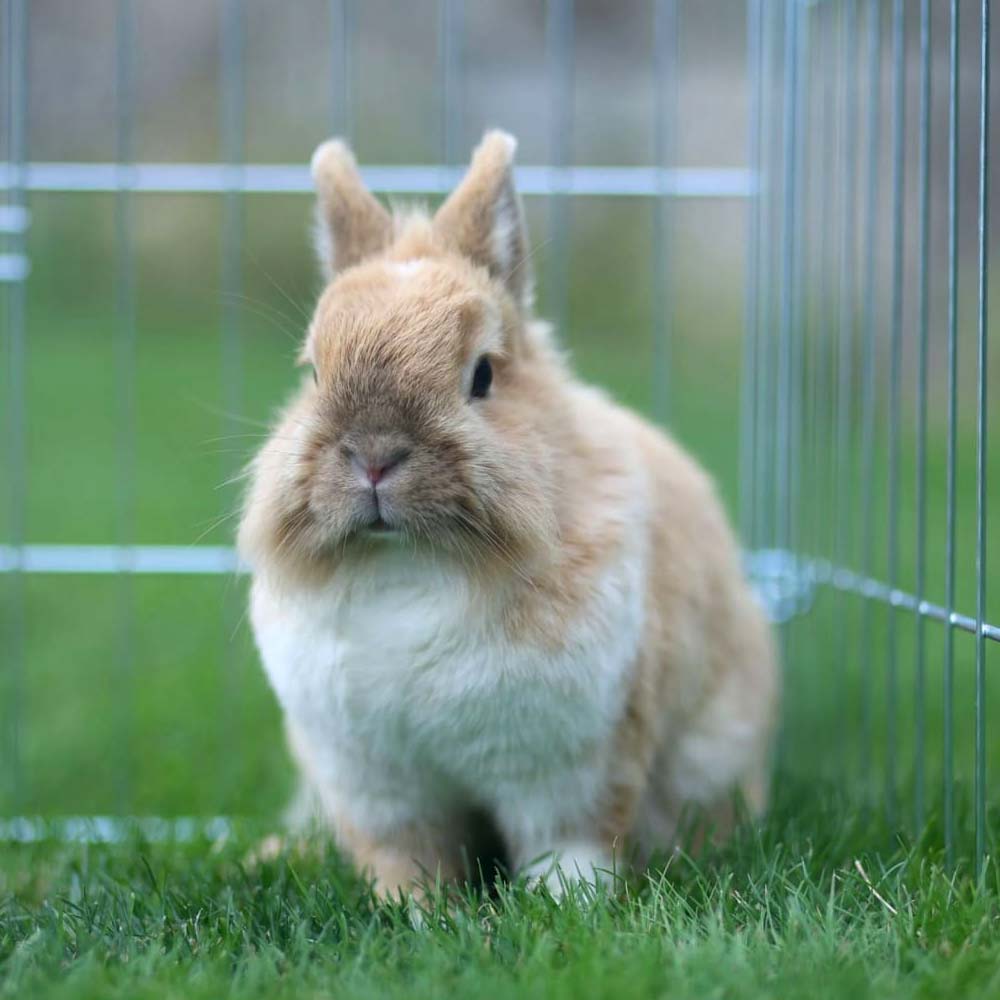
(400, 682)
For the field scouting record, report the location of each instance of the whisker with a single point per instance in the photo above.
(218, 412)
(495, 544)
(233, 480)
(216, 523)
(530, 255)
(295, 305)
(260, 309)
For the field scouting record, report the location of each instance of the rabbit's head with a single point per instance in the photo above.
(431, 413)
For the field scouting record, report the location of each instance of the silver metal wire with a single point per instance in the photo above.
(125, 381)
(843, 451)
(233, 138)
(789, 233)
(559, 44)
(159, 560)
(15, 62)
(749, 442)
(885, 345)
(343, 28)
(821, 163)
(797, 311)
(100, 560)
(281, 178)
(841, 578)
(948, 750)
(920, 486)
(766, 230)
(869, 359)
(895, 396)
(665, 106)
(982, 420)
(450, 71)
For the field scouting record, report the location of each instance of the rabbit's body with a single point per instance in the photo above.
(453, 716)
(595, 665)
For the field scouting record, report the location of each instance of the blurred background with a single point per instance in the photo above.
(159, 330)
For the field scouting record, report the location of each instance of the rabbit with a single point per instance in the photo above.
(481, 590)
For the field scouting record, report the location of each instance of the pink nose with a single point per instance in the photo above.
(376, 473)
(377, 463)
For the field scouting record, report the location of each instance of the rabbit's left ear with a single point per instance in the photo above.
(350, 223)
(483, 219)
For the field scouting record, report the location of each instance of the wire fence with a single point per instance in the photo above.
(852, 374)
(852, 363)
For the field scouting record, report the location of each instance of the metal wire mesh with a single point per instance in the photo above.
(869, 251)
(843, 340)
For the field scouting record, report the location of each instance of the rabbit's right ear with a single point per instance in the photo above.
(350, 222)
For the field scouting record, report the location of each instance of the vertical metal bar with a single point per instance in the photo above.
(921, 405)
(559, 32)
(125, 376)
(833, 142)
(843, 451)
(665, 55)
(948, 762)
(796, 327)
(751, 328)
(15, 60)
(233, 141)
(450, 72)
(981, 453)
(895, 365)
(874, 33)
(341, 67)
(823, 166)
(789, 172)
(800, 245)
(824, 477)
(778, 193)
(764, 432)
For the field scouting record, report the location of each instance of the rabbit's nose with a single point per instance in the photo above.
(375, 461)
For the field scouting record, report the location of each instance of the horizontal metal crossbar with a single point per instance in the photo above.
(113, 829)
(103, 559)
(14, 267)
(283, 178)
(844, 579)
(786, 581)
(14, 218)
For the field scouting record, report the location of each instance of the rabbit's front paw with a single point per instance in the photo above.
(574, 867)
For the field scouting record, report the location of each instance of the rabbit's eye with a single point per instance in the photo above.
(482, 378)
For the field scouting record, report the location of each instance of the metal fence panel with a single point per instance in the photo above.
(826, 406)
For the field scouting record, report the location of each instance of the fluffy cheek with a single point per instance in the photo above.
(336, 502)
(303, 502)
(429, 492)
(510, 479)
(276, 517)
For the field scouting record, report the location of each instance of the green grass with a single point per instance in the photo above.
(813, 904)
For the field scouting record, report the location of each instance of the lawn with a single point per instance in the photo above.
(805, 906)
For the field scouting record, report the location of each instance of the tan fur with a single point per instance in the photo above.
(524, 489)
(351, 224)
(466, 220)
